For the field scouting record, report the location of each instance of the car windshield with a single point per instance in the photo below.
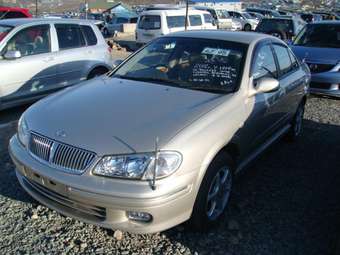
(319, 35)
(4, 30)
(199, 64)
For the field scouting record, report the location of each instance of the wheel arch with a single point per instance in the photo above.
(96, 67)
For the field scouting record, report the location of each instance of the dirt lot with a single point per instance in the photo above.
(287, 203)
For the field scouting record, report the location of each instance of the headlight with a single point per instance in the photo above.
(139, 166)
(23, 131)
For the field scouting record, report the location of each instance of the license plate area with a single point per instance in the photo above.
(46, 182)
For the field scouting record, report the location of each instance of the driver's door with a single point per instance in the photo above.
(263, 115)
(34, 72)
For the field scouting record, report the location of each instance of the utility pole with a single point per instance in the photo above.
(86, 8)
(186, 15)
(36, 8)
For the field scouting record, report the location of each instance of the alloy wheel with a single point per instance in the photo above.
(219, 193)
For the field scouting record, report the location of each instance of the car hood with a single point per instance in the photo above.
(317, 55)
(114, 116)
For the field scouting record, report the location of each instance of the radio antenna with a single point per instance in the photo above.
(153, 184)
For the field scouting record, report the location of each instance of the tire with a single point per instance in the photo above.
(297, 123)
(97, 72)
(278, 34)
(247, 27)
(209, 208)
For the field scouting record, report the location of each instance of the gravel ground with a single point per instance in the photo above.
(287, 203)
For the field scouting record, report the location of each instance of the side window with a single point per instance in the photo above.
(69, 36)
(90, 36)
(31, 41)
(283, 59)
(237, 15)
(195, 20)
(14, 15)
(264, 63)
(295, 63)
(208, 18)
(175, 21)
(122, 20)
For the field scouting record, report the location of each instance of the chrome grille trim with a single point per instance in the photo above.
(59, 155)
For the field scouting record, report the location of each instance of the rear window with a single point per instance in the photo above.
(90, 36)
(175, 21)
(4, 30)
(195, 20)
(14, 15)
(271, 25)
(150, 22)
(69, 36)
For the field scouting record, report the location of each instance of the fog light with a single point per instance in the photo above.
(139, 216)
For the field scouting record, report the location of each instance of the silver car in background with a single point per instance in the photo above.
(39, 56)
(159, 141)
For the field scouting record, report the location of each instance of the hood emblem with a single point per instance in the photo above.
(60, 133)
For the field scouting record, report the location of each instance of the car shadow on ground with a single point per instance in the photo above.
(288, 200)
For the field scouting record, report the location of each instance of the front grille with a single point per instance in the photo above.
(41, 147)
(319, 68)
(320, 85)
(62, 156)
(90, 212)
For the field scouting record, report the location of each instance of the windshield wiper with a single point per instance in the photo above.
(178, 84)
(147, 79)
(209, 89)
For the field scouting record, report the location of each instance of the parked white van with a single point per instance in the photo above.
(155, 23)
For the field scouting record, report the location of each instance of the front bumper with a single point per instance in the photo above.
(105, 201)
(325, 84)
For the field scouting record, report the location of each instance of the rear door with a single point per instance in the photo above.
(72, 56)
(32, 74)
(149, 27)
(291, 79)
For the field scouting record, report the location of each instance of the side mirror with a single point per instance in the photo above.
(11, 55)
(267, 85)
(117, 62)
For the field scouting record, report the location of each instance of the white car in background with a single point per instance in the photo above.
(246, 21)
(40, 56)
(155, 23)
(221, 17)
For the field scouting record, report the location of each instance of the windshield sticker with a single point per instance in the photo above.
(205, 72)
(170, 46)
(217, 52)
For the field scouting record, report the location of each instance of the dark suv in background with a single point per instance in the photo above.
(283, 28)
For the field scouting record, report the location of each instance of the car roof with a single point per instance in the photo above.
(180, 11)
(241, 37)
(327, 22)
(24, 21)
